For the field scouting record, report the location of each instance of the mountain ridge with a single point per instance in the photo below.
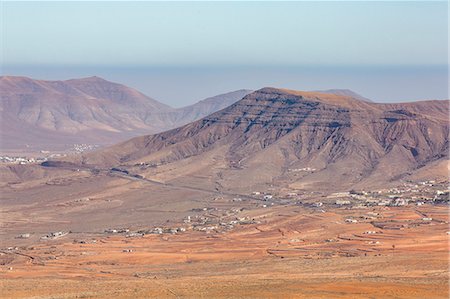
(335, 135)
(41, 113)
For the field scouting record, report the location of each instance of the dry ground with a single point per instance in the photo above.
(292, 253)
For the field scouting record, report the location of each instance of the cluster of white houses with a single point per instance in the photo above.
(418, 193)
(82, 147)
(204, 223)
(20, 160)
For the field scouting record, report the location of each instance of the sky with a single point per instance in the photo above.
(182, 52)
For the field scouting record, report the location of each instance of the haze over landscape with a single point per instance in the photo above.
(224, 150)
(388, 51)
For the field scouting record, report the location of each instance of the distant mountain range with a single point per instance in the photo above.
(48, 114)
(40, 114)
(298, 139)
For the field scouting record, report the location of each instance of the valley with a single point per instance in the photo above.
(224, 150)
(309, 194)
(125, 236)
(300, 249)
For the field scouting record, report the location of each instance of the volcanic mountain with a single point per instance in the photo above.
(90, 110)
(290, 138)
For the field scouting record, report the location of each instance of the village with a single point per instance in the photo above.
(234, 212)
(21, 160)
(212, 220)
(228, 216)
(408, 193)
(83, 147)
(277, 225)
(39, 156)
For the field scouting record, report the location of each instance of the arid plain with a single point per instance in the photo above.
(213, 245)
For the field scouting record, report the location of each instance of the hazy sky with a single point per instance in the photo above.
(188, 49)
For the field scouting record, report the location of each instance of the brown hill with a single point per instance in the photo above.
(87, 110)
(298, 139)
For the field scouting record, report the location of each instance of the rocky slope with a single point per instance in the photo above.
(301, 139)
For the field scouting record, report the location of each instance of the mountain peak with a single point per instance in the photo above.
(301, 93)
(94, 78)
(338, 96)
(91, 79)
(315, 96)
(16, 79)
(86, 110)
(13, 78)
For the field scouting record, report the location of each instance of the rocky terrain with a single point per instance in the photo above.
(54, 115)
(297, 139)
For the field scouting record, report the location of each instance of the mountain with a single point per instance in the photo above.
(89, 110)
(54, 114)
(302, 140)
(185, 115)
